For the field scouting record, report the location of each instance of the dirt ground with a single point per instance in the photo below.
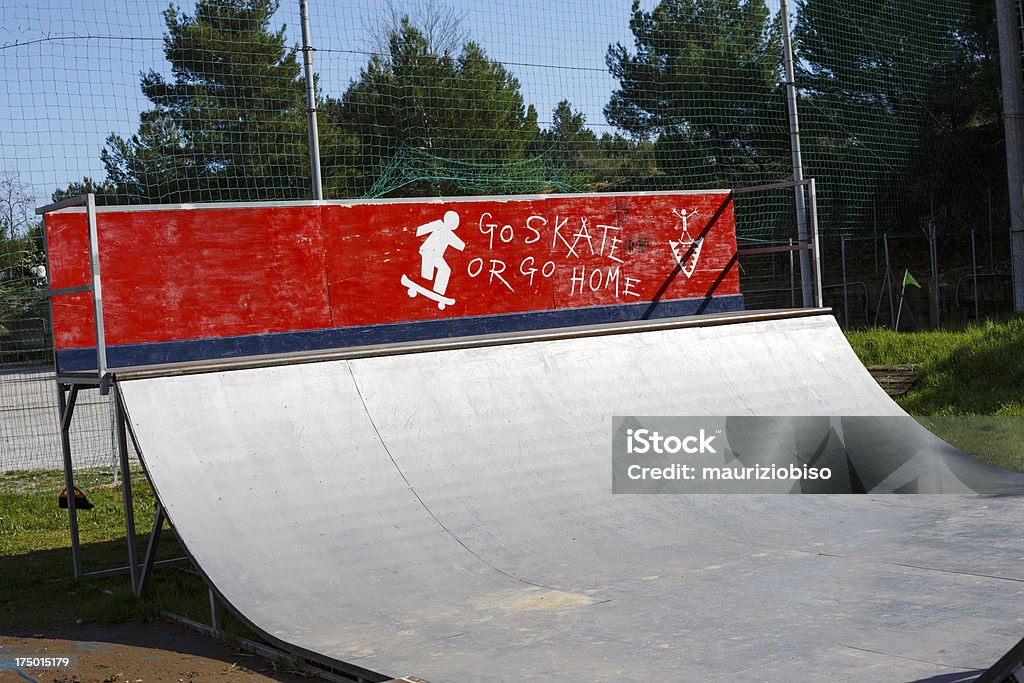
(135, 653)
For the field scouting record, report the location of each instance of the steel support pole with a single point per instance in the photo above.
(126, 491)
(66, 404)
(97, 293)
(846, 299)
(888, 280)
(151, 548)
(792, 276)
(314, 134)
(1008, 20)
(819, 299)
(974, 275)
(991, 254)
(933, 252)
(216, 616)
(874, 234)
(798, 167)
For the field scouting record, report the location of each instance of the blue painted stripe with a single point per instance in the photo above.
(156, 353)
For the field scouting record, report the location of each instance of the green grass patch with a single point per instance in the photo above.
(965, 373)
(38, 481)
(978, 370)
(38, 591)
(998, 440)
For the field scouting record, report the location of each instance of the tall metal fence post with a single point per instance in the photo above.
(991, 252)
(1008, 20)
(97, 292)
(933, 252)
(798, 168)
(888, 280)
(874, 234)
(846, 299)
(66, 405)
(819, 299)
(792, 277)
(974, 276)
(314, 134)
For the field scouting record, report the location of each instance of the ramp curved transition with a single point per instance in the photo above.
(449, 515)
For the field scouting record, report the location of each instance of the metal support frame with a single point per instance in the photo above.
(94, 287)
(97, 293)
(126, 490)
(139, 572)
(299, 662)
(159, 517)
(68, 387)
(216, 614)
(66, 404)
(808, 243)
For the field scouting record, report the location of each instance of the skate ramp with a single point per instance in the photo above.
(448, 514)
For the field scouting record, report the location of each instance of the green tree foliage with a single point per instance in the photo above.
(106, 192)
(899, 102)
(963, 152)
(570, 147)
(416, 103)
(588, 163)
(22, 275)
(702, 82)
(624, 164)
(230, 122)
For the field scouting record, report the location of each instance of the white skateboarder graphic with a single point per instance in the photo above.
(680, 247)
(440, 236)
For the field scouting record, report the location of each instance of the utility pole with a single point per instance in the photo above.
(798, 166)
(1009, 21)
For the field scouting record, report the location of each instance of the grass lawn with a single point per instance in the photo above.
(971, 389)
(38, 591)
(975, 371)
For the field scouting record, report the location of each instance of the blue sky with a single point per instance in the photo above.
(69, 69)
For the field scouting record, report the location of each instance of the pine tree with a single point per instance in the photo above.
(703, 83)
(900, 112)
(230, 122)
(445, 123)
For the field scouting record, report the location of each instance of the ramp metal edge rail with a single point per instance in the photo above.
(397, 349)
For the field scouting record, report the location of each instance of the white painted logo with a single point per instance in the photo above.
(684, 244)
(440, 235)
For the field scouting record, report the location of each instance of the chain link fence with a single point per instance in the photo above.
(205, 100)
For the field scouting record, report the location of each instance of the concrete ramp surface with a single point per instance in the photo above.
(448, 514)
